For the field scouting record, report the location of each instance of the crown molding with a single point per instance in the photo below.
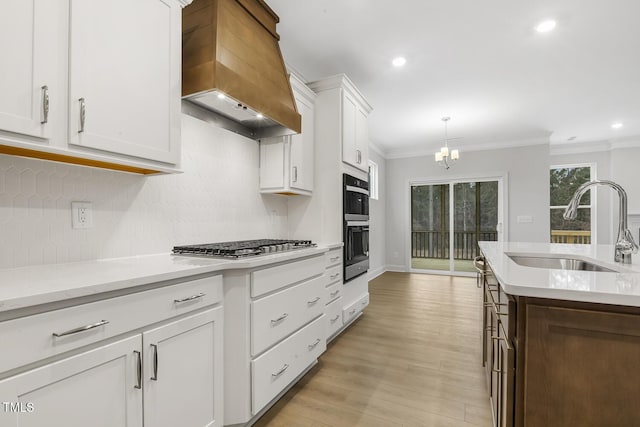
(406, 153)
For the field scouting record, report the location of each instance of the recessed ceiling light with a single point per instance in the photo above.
(617, 125)
(221, 96)
(259, 116)
(399, 61)
(546, 26)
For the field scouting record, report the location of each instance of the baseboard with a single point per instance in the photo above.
(372, 274)
(396, 268)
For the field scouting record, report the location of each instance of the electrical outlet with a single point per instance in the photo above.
(81, 215)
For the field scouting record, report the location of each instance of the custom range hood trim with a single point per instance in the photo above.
(230, 47)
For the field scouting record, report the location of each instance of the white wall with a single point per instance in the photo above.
(528, 191)
(377, 220)
(215, 199)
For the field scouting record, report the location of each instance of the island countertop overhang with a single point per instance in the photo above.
(621, 287)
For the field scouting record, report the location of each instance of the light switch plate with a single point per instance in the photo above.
(525, 219)
(81, 215)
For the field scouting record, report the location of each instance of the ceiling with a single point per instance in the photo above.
(480, 62)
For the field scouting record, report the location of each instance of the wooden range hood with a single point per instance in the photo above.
(230, 47)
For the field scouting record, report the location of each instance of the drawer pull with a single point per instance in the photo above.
(313, 301)
(335, 318)
(333, 294)
(352, 312)
(138, 370)
(155, 362)
(80, 329)
(280, 319)
(312, 346)
(191, 298)
(335, 258)
(333, 276)
(281, 371)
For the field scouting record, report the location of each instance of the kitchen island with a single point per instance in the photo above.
(561, 346)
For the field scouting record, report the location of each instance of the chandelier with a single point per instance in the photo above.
(444, 156)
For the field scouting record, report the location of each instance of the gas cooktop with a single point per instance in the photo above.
(242, 248)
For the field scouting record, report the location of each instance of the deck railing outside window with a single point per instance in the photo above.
(435, 244)
(571, 236)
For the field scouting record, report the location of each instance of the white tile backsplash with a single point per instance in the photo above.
(215, 199)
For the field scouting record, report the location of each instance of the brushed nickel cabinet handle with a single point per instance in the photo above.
(312, 346)
(280, 319)
(333, 294)
(352, 311)
(333, 276)
(313, 301)
(335, 258)
(281, 371)
(335, 318)
(83, 114)
(295, 174)
(191, 298)
(80, 329)
(155, 362)
(138, 370)
(45, 104)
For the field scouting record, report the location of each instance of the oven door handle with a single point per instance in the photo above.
(357, 190)
(358, 224)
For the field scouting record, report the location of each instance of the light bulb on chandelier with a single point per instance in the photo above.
(444, 156)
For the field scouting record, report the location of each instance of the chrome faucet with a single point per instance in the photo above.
(625, 246)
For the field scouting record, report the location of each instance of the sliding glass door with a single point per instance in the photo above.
(447, 221)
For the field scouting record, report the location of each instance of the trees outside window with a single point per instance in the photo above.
(564, 180)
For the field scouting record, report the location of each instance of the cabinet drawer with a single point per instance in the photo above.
(352, 310)
(271, 279)
(276, 316)
(274, 370)
(334, 274)
(333, 257)
(332, 292)
(32, 337)
(333, 315)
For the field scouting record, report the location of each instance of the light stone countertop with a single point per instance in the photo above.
(30, 286)
(621, 288)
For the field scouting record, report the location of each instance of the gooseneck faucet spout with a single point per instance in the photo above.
(625, 246)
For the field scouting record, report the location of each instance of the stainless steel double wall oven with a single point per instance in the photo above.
(356, 226)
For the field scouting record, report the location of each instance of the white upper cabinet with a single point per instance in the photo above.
(355, 134)
(344, 112)
(124, 63)
(286, 162)
(28, 42)
(92, 82)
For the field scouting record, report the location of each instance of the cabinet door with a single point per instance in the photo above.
(581, 367)
(28, 34)
(96, 388)
(183, 372)
(349, 119)
(362, 140)
(301, 172)
(124, 82)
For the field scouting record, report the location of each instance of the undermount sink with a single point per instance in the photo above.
(558, 263)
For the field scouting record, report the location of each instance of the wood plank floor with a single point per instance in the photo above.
(412, 359)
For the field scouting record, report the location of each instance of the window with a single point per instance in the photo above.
(564, 180)
(373, 180)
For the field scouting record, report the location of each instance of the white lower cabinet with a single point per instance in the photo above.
(333, 317)
(183, 372)
(274, 331)
(274, 370)
(166, 370)
(96, 388)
